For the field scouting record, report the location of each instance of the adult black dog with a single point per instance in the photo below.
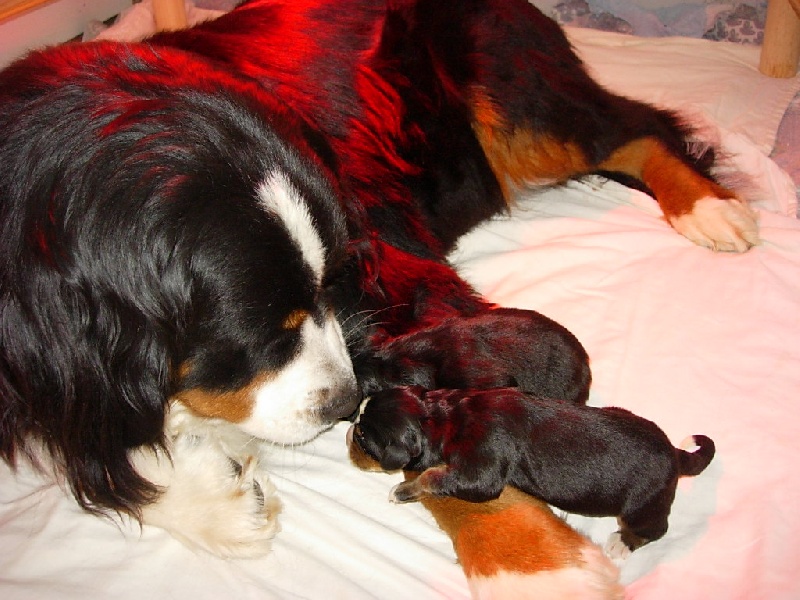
(183, 219)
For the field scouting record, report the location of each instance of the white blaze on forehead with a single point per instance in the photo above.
(280, 197)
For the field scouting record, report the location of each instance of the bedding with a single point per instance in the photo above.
(696, 341)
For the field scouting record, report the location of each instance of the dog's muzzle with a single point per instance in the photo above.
(338, 401)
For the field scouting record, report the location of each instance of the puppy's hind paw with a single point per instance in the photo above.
(616, 549)
(726, 225)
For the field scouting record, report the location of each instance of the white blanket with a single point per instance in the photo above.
(696, 341)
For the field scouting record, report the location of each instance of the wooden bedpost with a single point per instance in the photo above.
(780, 53)
(169, 14)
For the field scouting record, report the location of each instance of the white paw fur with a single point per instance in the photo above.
(723, 225)
(615, 548)
(216, 495)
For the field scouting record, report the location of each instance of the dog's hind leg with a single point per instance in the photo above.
(696, 206)
(636, 140)
(621, 543)
(541, 119)
(641, 525)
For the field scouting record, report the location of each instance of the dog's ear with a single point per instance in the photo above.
(95, 396)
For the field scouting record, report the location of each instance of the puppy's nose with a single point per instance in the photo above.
(339, 401)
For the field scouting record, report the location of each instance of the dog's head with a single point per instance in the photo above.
(266, 350)
(170, 232)
(388, 432)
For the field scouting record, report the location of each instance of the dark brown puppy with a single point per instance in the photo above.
(471, 444)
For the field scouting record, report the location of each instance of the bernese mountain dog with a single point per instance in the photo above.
(236, 231)
(471, 444)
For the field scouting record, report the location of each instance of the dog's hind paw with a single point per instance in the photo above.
(726, 225)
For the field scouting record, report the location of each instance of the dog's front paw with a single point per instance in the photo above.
(727, 225)
(213, 499)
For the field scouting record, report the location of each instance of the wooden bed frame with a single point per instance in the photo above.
(780, 53)
(169, 14)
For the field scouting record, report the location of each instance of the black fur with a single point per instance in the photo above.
(133, 244)
(137, 263)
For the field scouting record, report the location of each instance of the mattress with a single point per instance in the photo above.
(696, 341)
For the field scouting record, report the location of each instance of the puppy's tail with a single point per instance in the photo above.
(693, 463)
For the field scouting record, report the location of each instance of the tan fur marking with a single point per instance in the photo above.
(358, 457)
(295, 319)
(234, 405)
(675, 185)
(513, 533)
(519, 156)
(516, 533)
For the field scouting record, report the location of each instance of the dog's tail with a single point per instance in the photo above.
(694, 462)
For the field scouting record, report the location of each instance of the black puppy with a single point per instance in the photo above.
(470, 444)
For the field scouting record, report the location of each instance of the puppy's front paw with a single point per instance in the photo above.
(727, 225)
(407, 491)
(213, 501)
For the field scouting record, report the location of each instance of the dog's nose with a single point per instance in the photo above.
(339, 401)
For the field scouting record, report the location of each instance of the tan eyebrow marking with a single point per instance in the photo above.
(295, 319)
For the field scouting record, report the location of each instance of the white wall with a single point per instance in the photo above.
(52, 23)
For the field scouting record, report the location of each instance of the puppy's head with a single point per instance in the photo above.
(387, 432)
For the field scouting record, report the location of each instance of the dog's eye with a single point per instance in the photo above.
(294, 319)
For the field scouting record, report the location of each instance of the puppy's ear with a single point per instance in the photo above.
(405, 446)
(395, 457)
(411, 438)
